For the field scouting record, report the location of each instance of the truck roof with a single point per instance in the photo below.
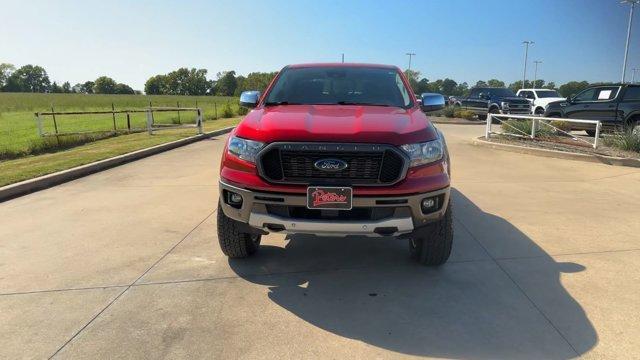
(382, 66)
(536, 89)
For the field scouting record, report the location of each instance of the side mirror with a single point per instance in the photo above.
(431, 102)
(249, 98)
(570, 98)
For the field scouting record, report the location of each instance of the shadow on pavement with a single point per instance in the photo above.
(370, 291)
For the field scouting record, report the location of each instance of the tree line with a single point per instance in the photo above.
(34, 78)
(193, 81)
(185, 81)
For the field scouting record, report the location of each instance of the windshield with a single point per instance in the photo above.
(339, 86)
(547, 93)
(500, 92)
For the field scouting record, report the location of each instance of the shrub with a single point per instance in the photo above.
(449, 111)
(227, 112)
(519, 127)
(243, 110)
(464, 114)
(562, 125)
(624, 140)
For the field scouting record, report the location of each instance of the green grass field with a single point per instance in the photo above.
(12, 171)
(18, 127)
(24, 154)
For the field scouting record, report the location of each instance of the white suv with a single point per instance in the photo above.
(539, 98)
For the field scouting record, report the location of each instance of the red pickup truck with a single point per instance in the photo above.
(337, 150)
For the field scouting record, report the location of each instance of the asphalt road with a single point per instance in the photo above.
(125, 264)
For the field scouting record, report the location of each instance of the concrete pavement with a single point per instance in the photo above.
(125, 264)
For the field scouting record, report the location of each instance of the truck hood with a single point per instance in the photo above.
(545, 101)
(510, 99)
(336, 123)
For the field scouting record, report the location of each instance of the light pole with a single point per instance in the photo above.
(413, 54)
(626, 47)
(343, 57)
(526, 53)
(535, 72)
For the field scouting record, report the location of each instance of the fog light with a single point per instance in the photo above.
(429, 205)
(234, 199)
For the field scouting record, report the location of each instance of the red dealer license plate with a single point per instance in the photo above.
(327, 197)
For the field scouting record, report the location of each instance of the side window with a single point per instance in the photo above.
(586, 95)
(606, 93)
(474, 93)
(632, 93)
(527, 94)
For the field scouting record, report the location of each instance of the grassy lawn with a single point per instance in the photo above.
(18, 128)
(12, 171)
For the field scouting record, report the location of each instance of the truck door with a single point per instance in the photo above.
(468, 102)
(597, 103)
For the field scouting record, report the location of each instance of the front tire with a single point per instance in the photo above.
(431, 245)
(233, 242)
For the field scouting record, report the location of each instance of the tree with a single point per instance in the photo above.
(259, 80)
(55, 88)
(87, 87)
(104, 85)
(5, 71)
(480, 83)
(183, 81)
(28, 78)
(461, 90)
(572, 87)
(226, 84)
(448, 87)
(156, 85)
(123, 89)
(495, 83)
(66, 87)
(187, 82)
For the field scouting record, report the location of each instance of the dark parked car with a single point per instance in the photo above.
(617, 106)
(483, 100)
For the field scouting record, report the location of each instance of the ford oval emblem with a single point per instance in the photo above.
(330, 165)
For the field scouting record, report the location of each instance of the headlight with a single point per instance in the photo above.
(424, 153)
(505, 105)
(244, 149)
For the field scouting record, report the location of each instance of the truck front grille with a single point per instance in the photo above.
(367, 164)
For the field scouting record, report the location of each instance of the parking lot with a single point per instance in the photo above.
(125, 264)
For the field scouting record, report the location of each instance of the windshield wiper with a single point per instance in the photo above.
(359, 103)
(276, 103)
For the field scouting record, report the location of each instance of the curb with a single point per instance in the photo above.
(436, 120)
(46, 181)
(600, 159)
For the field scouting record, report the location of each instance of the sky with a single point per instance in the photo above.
(466, 40)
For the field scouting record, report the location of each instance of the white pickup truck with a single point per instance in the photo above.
(539, 98)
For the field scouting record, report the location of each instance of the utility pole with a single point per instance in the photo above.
(526, 53)
(413, 54)
(633, 75)
(535, 72)
(343, 57)
(626, 47)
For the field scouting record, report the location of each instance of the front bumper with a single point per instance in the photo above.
(518, 111)
(404, 213)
